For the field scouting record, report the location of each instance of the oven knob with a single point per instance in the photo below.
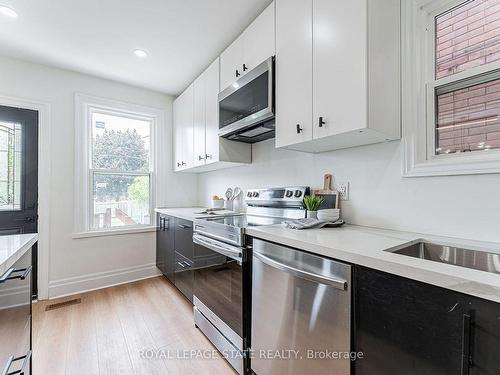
(249, 194)
(289, 193)
(255, 194)
(298, 193)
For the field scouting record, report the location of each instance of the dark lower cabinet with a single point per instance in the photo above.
(165, 257)
(175, 252)
(184, 255)
(407, 327)
(15, 317)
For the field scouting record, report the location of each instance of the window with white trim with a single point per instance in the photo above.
(115, 165)
(452, 75)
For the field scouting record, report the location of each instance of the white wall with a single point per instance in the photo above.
(458, 206)
(79, 264)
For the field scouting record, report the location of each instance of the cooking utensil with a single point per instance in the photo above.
(229, 193)
(236, 193)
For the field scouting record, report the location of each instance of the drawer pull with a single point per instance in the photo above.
(8, 275)
(25, 367)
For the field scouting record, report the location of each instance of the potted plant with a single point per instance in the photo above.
(313, 203)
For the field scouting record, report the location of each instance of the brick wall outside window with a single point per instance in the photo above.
(466, 37)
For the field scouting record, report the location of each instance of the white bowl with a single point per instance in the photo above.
(218, 203)
(331, 214)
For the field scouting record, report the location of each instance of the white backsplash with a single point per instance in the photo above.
(458, 206)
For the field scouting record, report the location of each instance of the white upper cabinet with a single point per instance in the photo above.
(201, 149)
(293, 72)
(199, 120)
(255, 45)
(259, 40)
(337, 73)
(212, 113)
(183, 130)
(231, 61)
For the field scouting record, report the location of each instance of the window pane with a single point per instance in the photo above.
(468, 119)
(120, 143)
(120, 200)
(467, 36)
(10, 165)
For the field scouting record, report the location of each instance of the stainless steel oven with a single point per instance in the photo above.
(218, 295)
(246, 108)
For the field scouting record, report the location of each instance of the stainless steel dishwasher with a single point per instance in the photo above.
(301, 312)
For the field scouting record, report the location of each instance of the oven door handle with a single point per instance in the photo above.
(219, 247)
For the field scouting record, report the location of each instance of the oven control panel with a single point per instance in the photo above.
(284, 194)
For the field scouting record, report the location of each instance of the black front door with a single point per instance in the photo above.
(19, 174)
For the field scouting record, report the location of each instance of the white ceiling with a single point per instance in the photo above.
(98, 37)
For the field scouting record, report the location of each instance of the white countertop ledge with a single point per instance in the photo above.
(186, 213)
(13, 247)
(370, 247)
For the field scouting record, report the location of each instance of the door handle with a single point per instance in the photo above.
(25, 366)
(336, 283)
(467, 326)
(8, 275)
(321, 122)
(299, 129)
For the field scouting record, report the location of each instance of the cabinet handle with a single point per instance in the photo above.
(183, 163)
(321, 122)
(207, 156)
(466, 343)
(299, 129)
(200, 158)
(8, 275)
(237, 73)
(25, 367)
(178, 164)
(183, 226)
(245, 68)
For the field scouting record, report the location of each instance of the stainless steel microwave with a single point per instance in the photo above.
(246, 108)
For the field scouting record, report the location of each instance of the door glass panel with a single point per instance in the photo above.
(120, 200)
(10, 166)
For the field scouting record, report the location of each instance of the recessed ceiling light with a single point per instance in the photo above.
(9, 12)
(140, 53)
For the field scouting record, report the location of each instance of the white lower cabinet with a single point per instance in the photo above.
(337, 73)
(207, 151)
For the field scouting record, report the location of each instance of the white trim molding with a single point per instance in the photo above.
(99, 280)
(418, 98)
(44, 181)
(84, 105)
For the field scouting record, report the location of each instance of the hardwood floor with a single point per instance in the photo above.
(117, 331)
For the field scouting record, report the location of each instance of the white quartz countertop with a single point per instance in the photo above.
(368, 247)
(14, 247)
(186, 213)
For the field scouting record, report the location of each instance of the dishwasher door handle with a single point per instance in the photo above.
(336, 283)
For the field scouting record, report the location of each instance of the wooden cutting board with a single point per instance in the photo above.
(330, 196)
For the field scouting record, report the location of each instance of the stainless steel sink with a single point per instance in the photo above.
(474, 259)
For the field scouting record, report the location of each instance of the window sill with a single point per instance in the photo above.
(114, 232)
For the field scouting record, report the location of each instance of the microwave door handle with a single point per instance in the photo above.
(336, 283)
(229, 251)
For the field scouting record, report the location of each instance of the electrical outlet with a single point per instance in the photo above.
(343, 189)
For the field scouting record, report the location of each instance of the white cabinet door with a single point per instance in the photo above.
(212, 112)
(231, 61)
(183, 129)
(259, 40)
(340, 66)
(293, 71)
(177, 133)
(199, 121)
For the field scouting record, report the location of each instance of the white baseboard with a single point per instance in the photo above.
(86, 283)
